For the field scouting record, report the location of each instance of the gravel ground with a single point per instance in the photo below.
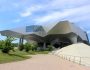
(43, 62)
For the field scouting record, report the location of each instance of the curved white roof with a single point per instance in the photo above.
(62, 27)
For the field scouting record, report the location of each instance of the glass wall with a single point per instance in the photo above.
(34, 28)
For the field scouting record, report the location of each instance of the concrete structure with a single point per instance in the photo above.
(59, 34)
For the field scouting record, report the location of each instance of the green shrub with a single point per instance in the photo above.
(7, 45)
(30, 46)
(6, 49)
(21, 47)
(34, 46)
(27, 47)
(1, 47)
(50, 48)
(1, 44)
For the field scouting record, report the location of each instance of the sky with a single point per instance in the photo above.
(18, 13)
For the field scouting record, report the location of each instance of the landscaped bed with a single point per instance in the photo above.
(9, 52)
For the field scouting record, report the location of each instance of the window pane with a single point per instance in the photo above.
(34, 28)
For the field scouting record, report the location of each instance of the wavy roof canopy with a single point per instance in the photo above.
(62, 27)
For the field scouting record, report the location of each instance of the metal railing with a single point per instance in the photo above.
(76, 59)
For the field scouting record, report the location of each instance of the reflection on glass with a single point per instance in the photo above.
(34, 28)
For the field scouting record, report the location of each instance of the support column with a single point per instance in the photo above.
(73, 39)
(20, 41)
(21, 47)
(44, 45)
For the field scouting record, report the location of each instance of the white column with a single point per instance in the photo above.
(44, 45)
(21, 47)
(73, 38)
(20, 41)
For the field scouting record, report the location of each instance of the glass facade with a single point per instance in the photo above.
(34, 28)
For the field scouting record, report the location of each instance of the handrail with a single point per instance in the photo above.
(73, 59)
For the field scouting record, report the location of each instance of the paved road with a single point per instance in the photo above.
(43, 62)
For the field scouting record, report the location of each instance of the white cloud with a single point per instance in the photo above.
(30, 10)
(82, 28)
(68, 3)
(80, 18)
(55, 15)
(51, 16)
(88, 32)
(25, 14)
(16, 20)
(64, 7)
(64, 4)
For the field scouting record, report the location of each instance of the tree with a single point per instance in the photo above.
(8, 45)
(1, 44)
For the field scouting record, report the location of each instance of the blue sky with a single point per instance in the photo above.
(17, 13)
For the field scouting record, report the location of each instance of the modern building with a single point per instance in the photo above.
(60, 34)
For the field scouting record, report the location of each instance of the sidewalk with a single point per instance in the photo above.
(43, 62)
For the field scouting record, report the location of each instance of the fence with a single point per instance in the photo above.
(76, 59)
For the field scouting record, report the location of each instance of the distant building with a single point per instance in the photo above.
(61, 34)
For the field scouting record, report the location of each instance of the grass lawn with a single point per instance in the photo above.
(15, 56)
(42, 52)
(18, 55)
